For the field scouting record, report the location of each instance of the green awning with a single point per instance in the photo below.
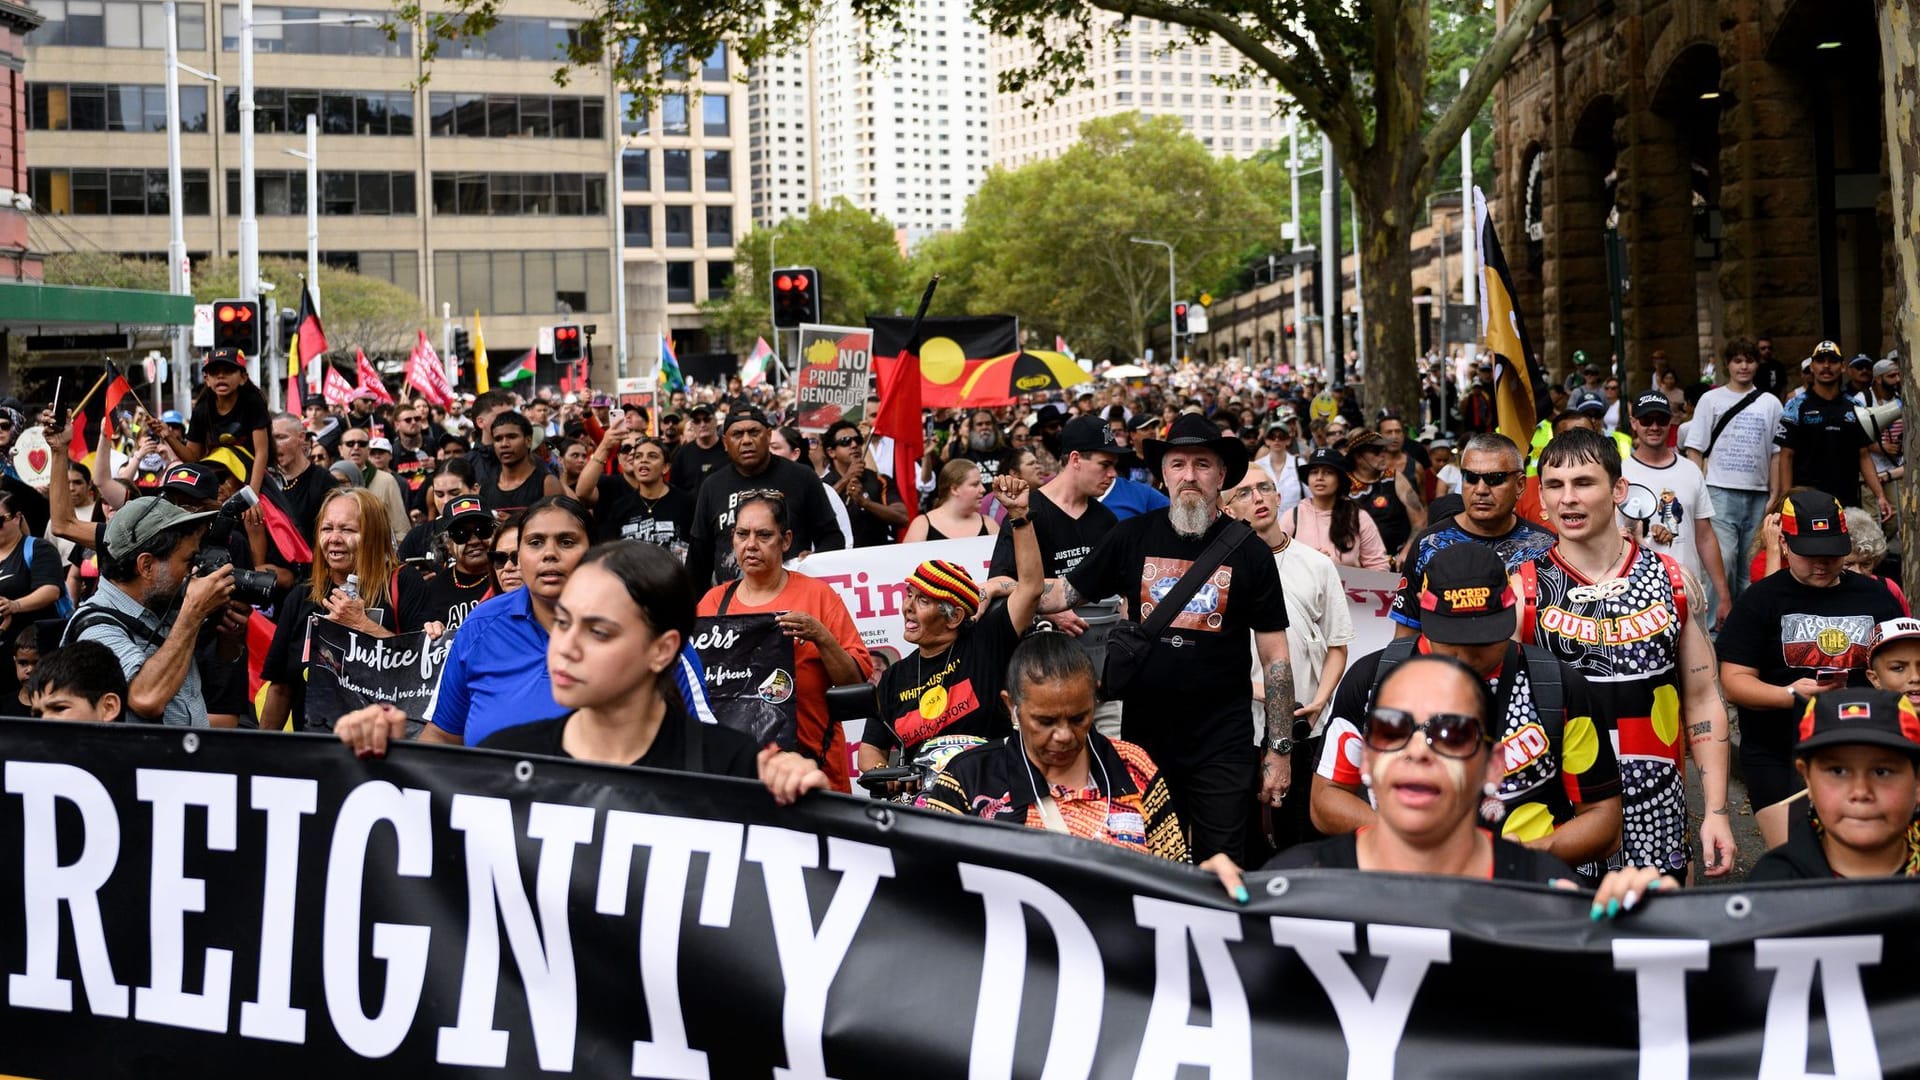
(71, 308)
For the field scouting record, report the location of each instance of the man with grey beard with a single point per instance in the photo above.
(1188, 703)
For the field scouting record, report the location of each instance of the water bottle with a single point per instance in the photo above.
(352, 587)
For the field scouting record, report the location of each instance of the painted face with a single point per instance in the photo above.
(1421, 795)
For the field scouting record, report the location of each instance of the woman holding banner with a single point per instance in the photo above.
(827, 650)
(352, 538)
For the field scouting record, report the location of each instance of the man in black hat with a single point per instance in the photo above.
(1561, 789)
(700, 455)
(1188, 704)
(754, 467)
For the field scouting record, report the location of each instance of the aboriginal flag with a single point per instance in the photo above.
(953, 354)
(93, 424)
(308, 346)
(1519, 383)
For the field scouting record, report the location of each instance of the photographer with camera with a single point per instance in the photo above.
(150, 607)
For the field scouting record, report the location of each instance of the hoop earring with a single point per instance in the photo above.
(1491, 808)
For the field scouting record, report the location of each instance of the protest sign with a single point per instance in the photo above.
(834, 376)
(749, 668)
(348, 670)
(185, 904)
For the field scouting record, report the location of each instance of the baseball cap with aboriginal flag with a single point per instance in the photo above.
(1813, 525)
(1466, 598)
(1860, 717)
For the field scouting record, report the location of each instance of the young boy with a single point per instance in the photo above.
(26, 657)
(81, 681)
(1859, 754)
(1893, 661)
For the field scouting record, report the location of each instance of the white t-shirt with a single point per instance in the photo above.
(1318, 618)
(1680, 498)
(1743, 456)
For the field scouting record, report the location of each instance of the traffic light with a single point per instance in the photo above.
(1290, 331)
(289, 326)
(1180, 317)
(796, 297)
(236, 325)
(462, 343)
(566, 344)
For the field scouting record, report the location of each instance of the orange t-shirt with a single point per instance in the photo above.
(815, 598)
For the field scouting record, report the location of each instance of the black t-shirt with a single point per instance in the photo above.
(443, 598)
(18, 577)
(956, 692)
(1826, 439)
(709, 537)
(503, 501)
(692, 463)
(992, 462)
(622, 513)
(1787, 631)
(1511, 861)
(413, 468)
(1198, 669)
(285, 664)
(868, 531)
(1064, 541)
(723, 751)
(233, 430)
(302, 495)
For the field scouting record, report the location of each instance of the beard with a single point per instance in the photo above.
(1191, 513)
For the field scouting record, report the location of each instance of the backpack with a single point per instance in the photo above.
(63, 607)
(1543, 675)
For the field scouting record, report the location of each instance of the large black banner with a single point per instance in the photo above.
(238, 904)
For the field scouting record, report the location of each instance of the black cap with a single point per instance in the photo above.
(1466, 598)
(746, 414)
(465, 506)
(224, 358)
(191, 480)
(1652, 403)
(1192, 430)
(1827, 350)
(1861, 360)
(700, 412)
(1087, 434)
(1048, 414)
(1325, 457)
(1813, 524)
(1859, 717)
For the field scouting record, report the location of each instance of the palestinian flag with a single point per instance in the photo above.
(93, 424)
(308, 346)
(1519, 382)
(952, 354)
(754, 371)
(520, 370)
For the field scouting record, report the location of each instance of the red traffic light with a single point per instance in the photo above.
(566, 333)
(1179, 309)
(783, 283)
(227, 313)
(800, 281)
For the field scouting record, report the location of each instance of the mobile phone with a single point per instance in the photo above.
(1832, 676)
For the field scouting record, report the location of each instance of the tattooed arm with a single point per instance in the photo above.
(1708, 735)
(1058, 595)
(1276, 770)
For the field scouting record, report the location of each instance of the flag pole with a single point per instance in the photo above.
(88, 396)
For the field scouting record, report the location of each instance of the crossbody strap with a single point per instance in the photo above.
(1190, 582)
(726, 598)
(1720, 425)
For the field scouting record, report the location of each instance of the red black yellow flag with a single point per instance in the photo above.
(1519, 383)
(93, 420)
(953, 354)
(308, 345)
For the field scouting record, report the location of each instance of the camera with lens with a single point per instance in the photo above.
(252, 587)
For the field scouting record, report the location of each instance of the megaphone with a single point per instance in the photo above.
(1878, 418)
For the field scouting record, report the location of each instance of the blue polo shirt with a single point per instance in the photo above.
(495, 675)
(1128, 498)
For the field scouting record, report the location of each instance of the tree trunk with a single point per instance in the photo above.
(1386, 284)
(1900, 68)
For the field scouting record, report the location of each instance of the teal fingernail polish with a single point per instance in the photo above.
(1613, 908)
(1596, 912)
(1240, 893)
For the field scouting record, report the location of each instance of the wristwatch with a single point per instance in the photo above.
(1282, 746)
(1018, 522)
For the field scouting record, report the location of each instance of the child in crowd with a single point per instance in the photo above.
(1859, 753)
(81, 681)
(1893, 661)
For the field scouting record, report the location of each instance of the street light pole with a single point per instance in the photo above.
(311, 155)
(1173, 321)
(779, 365)
(179, 274)
(249, 224)
(1293, 174)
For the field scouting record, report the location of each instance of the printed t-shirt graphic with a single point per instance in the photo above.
(956, 692)
(1825, 641)
(1208, 608)
(1624, 636)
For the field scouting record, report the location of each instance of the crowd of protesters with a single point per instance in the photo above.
(1581, 618)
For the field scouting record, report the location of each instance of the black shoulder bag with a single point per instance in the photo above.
(1129, 643)
(1727, 418)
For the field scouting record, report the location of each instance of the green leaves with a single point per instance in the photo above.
(861, 268)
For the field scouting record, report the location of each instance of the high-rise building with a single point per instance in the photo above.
(902, 134)
(1155, 69)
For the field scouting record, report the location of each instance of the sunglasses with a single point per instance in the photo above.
(850, 440)
(1451, 734)
(631, 448)
(504, 559)
(1469, 478)
(466, 533)
(353, 442)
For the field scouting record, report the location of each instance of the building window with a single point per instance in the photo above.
(523, 282)
(519, 38)
(719, 165)
(636, 170)
(630, 122)
(312, 38)
(118, 24)
(517, 194)
(713, 114)
(715, 67)
(719, 226)
(719, 280)
(341, 112)
(93, 107)
(673, 114)
(637, 225)
(679, 283)
(116, 191)
(342, 193)
(505, 116)
(677, 170)
(679, 227)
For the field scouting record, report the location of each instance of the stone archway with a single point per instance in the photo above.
(1672, 219)
(1578, 178)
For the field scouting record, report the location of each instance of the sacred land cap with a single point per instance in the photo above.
(1466, 598)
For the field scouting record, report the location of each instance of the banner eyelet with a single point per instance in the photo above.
(882, 817)
(523, 771)
(190, 742)
(1739, 906)
(1278, 886)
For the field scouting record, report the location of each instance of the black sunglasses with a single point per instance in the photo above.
(632, 448)
(1469, 478)
(1453, 734)
(466, 532)
(503, 559)
(848, 440)
(353, 442)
